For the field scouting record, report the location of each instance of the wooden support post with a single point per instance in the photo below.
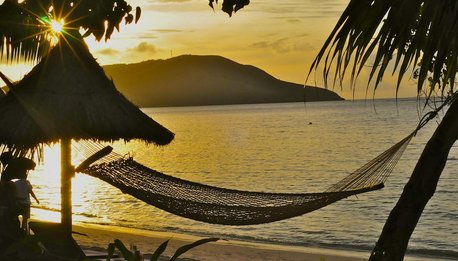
(67, 173)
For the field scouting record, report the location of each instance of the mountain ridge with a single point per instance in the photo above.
(193, 80)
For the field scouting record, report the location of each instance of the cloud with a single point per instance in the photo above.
(175, 6)
(306, 9)
(146, 36)
(263, 44)
(140, 52)
(108, 52)
(170, 1)
(144, 48)
(166, 30)
(293, 21)
(286, 44)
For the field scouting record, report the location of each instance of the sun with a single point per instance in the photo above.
(57, 26)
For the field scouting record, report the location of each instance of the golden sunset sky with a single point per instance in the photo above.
(280, 37)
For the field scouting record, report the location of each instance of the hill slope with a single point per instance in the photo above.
(191, 80)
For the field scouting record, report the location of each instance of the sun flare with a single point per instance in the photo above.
(57, 26)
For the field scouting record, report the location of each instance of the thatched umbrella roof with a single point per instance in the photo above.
(68, 96)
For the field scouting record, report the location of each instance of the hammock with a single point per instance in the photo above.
(233, 207)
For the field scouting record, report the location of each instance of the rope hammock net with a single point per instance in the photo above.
(232, 207)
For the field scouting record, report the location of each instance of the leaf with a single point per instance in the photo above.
(210, 3)
(110, 252)
(159, 251)
(138, 255)
(138, 13)
(124, 251)
(109, 31)
(129, 18)
(87, 33)
(186, 248)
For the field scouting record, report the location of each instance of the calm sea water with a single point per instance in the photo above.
(272, 147)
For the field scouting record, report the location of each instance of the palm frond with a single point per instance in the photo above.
(421, 36)
(25, 29)
(20, 34)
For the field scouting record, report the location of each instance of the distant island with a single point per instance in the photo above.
(192, 80)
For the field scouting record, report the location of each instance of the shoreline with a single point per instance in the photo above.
(99, 236)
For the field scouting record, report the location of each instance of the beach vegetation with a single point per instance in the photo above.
(133, 254)
(26, 248)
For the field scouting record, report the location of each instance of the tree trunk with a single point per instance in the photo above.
(393, 241)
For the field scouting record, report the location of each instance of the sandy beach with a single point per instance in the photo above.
(148, 241)
(98, 237)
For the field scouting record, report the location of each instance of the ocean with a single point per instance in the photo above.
(287, 147)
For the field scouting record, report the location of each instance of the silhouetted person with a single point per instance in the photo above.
(22, 192)
(9, 222)
(16, 168)
(5, 158)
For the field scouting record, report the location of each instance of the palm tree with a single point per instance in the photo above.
(420, 36)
